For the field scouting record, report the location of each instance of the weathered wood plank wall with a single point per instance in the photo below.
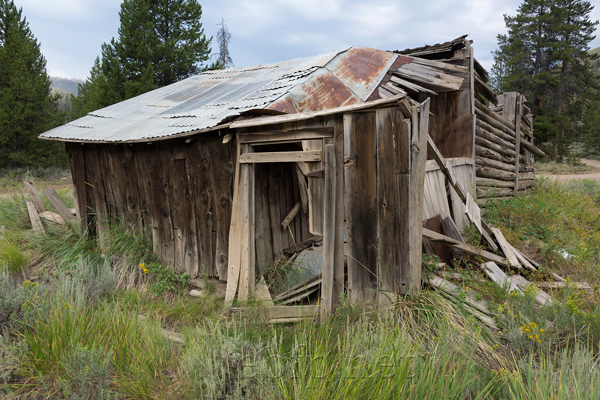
(177, 193)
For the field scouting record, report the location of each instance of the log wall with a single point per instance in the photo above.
(503, 147)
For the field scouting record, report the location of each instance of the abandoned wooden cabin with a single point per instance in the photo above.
(227, 169)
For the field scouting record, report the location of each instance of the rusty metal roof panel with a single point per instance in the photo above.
(206, 100)
(361, 69)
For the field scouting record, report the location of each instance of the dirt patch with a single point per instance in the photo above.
(593, 174)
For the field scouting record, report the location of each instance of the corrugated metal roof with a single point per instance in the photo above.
(206, 100)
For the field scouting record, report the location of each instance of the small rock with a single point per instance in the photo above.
(196, 293)
(197, 283)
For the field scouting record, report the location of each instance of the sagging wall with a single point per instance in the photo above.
(180, 196)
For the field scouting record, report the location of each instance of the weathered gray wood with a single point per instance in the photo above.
(437, 156)
(524, 260)
(277, 312)
(494, 164)
(281, 156)
(482, 133)
(561, 285)
(498, 276)
(328, 299)
(279, 119)
(507, 249)
(480, 309)
(302, 288)
(262, 293)
(34, 217)
(302, 189)
(411, 86)
(467, 248)
(496, 132)
(479, 141)
(411, 275)
(233, 270)
(360, 155)
(35, 197)
(473, 213)
(291, 215)
(494, 173)
(518, 141)
(542, 298)
(485, 183)
(59, 205)
(246, 237)
(286, 136)
(494, 155)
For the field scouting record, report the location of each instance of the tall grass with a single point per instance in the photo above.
(138, 353)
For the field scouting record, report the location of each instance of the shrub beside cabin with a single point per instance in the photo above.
(227, 170)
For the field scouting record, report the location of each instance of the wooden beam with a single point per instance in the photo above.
(291, 215)
(35, 197)
(34, 217)
(59, 205)
(467, 248)
(286, 136)
(498, 276)
(479, 308)
(281, 156)
(329, 220)
(262, 293)
(437, 156)
(281, 119)
(302, 188)
(279, 312)
(235, 226)
(518, 142)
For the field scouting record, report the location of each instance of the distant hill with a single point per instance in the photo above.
(596, 63)
(65, 84)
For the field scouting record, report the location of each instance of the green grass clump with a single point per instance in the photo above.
(138, 352)
(12, 258)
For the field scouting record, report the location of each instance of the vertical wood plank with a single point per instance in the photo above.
(411, 274)
(329, 192)
(247, 257)
(233, 271)
(518, 141)
(360, 156)
(393, 170)
(224, 159)
(34, 217)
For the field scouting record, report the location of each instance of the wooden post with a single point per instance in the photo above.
(518, 112)
(247, 258)
(418, 156)
(35, 197)
(329, 220)
(472, 99)
(360, 169)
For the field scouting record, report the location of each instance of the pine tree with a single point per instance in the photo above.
(544, 56)
(160, 42)
(89, 94)
(27, 107)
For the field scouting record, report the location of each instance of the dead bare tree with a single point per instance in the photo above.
(223, 37)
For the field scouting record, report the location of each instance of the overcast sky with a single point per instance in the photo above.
(263, 31)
